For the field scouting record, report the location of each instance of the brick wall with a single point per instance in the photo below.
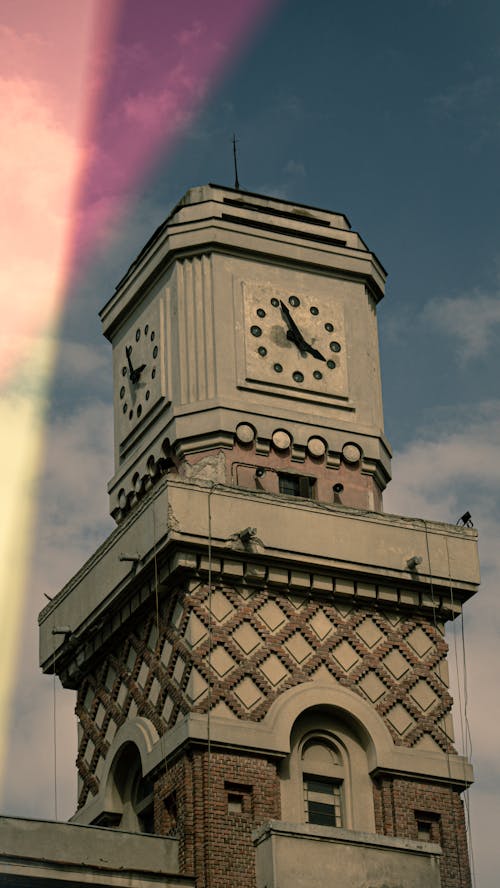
(401, 804)
(218, 805)
(260, 644)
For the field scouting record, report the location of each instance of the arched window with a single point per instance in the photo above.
(130, 794)
(325, 780)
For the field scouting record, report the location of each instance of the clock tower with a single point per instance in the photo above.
(258, 649)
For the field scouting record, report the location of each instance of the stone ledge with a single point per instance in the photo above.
(39, 851)
(304, 854)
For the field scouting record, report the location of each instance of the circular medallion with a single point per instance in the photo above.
(351, 453)
(245, 433)
(281, 439)
(316, 447)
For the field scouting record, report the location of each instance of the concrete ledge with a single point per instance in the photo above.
(40, 852)
(303, 854)
(338, 540)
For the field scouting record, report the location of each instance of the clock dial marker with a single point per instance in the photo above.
(139, 366)
(295, 345)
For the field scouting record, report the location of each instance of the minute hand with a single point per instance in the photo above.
(294, 335)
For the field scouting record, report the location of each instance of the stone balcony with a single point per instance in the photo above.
(316, 856)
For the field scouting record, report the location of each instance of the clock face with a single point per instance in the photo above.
(139, 373)
(295, 340)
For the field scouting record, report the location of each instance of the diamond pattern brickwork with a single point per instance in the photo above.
(259, 645)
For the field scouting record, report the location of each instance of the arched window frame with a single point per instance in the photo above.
(330, 726)
(331, 771)
(129, 793)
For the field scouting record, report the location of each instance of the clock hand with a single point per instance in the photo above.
(128, 349)
(314, 352)
(294, 334)
(135, 372)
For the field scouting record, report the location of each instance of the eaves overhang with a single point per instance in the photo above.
(238, 228)
(301, 546)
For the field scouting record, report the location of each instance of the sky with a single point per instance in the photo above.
(386, 112)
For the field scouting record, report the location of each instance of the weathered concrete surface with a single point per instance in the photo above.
(299, 532)
(307, 856)
(44, 853)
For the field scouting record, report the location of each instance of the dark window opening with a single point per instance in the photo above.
(296, 485)
(112, 821)
(239, 798)
(170, 808)
(427, 826)
(234, 803)
(146, 819)
(323, 801)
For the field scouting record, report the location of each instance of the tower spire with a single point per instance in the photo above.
(235, 156)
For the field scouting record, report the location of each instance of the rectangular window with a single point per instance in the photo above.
(424, 830)
(296, 485)
(323, 801)
(428, 826)
(170, 815)
(239, 798)
(234, 803)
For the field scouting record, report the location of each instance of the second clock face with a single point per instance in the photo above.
(139, 372)
(295, 340)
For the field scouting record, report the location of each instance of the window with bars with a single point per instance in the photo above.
(323, 801)
(428, 826)
(296, 485)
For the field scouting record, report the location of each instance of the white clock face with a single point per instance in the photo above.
(295, 340)
(139, 373)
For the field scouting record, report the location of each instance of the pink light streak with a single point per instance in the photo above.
(163, 61)
(103, 89)
(91, 92)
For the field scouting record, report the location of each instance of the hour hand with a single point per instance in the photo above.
(136, 373)
(293, 332)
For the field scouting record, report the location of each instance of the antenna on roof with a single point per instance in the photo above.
(235, 155)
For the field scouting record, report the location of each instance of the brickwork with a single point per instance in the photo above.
(212, 835)
(260, 644)
(400, 804)
(360, 488)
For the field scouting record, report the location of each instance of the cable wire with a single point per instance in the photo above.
(157, 608)
(448, 762)
(54, 714)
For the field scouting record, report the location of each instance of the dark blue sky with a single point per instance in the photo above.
(388, 113)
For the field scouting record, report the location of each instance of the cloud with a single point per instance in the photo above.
(39, 161)
(432, 475)
(78, 462)
(472, 320)
(470, 93)
(72, 523)
(188, 36)
(83, 362)
(293, 168)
